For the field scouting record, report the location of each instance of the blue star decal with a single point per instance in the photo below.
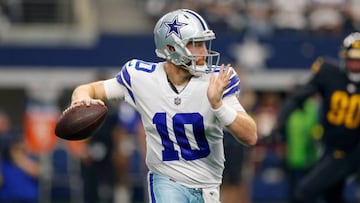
(174, 27)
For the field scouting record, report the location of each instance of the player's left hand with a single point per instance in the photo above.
(218, 85)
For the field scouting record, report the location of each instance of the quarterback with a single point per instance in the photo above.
(184, 102)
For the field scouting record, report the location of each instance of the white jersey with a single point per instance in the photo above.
(184, 138)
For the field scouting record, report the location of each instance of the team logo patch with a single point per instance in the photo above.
(177, 101)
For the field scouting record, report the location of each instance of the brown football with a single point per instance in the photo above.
(80, 122)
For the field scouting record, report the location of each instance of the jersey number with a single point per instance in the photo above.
(169, 153)
(344, 110)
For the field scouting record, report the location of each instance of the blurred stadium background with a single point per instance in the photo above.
(50, 46)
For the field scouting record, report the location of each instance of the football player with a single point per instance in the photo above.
(338, 83)
(184, 103)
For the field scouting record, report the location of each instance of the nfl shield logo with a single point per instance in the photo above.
(177, 100)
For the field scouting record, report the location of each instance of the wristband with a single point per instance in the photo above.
(225, 114)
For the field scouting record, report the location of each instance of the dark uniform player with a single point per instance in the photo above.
(339, 85)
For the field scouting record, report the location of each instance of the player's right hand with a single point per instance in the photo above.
(86, 101)
(218, 85)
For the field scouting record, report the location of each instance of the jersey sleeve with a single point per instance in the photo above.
(114, 90)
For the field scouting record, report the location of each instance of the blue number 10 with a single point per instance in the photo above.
(179, 120)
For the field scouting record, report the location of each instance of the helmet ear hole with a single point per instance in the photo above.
(170, 48)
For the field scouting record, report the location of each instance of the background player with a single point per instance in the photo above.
(338, 83)
(184, 104)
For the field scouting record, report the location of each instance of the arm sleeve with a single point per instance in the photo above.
(234, 103)
(113, 89)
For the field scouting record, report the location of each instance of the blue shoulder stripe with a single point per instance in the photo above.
(232, 90)
(123, 77)
(234, 85)
(234, 80)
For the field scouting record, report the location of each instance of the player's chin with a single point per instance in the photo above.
(200, 62)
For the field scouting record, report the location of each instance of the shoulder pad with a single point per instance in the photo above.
(140, 65)
(131, 63)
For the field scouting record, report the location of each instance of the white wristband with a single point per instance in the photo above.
(225, 114)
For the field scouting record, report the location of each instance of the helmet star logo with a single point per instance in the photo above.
(174, 27)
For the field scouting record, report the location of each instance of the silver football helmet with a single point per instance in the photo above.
(177, 29)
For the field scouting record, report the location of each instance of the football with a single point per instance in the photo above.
(80, 122)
